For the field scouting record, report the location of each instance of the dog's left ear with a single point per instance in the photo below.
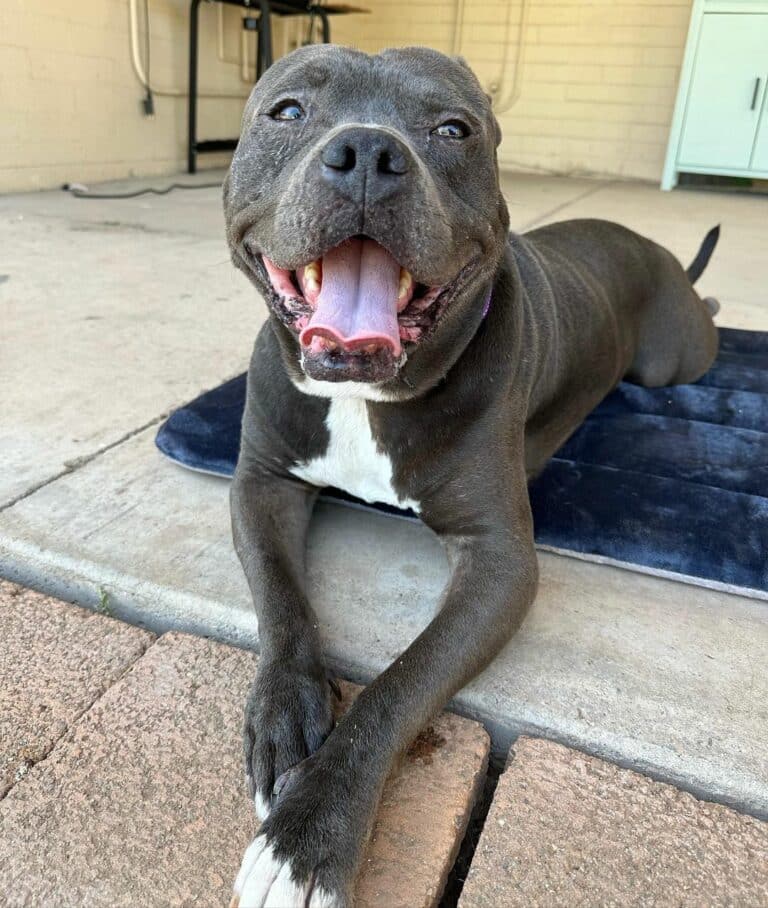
(496, 126)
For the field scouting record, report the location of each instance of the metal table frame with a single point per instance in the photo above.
(263, 59)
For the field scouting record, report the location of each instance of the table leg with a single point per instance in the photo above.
(325, 23)
(194, 25)
(264, 53)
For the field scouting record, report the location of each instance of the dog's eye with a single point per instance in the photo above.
(452, 129)
(287, 110)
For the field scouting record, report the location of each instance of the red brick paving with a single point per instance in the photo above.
(55, 661)
(121, 765)
(143, 801)
(566, 829)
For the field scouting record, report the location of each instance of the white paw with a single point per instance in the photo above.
(265, 881)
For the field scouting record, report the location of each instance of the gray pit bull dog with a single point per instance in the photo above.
(417, 354)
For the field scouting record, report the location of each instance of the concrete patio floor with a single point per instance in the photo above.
(115, 312)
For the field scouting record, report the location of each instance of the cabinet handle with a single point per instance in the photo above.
(755, 93)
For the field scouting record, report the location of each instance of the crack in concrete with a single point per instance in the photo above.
(117, 226)
(72, 466)
(125, 224)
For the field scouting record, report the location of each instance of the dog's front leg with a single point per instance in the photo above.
(288, 714)
(308, 850)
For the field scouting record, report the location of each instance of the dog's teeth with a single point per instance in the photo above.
(405, 283)
(312, 276)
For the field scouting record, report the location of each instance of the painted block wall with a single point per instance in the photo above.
(598, 79)
(70, 103)
(596, 92)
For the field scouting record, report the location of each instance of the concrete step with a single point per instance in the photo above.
(661, 676)
(56, 660)
(568, 829)
(143, 802)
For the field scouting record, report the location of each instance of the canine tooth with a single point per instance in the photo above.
(405, 283)
(312, 276)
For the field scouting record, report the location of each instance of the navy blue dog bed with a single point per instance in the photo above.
(671, 481)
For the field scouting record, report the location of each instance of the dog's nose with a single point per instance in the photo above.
(362, 160)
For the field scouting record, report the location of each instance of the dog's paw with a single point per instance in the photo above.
(308, 850)
(265, 881)
(287, 718)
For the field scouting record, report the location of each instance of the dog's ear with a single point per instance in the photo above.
(496, 126)
(497, 129)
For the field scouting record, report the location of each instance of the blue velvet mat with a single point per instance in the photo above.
(671, 481)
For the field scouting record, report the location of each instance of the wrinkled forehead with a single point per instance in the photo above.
(412, 80)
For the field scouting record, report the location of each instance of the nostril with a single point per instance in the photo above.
(340, 157)
(391, 162)
(350, 159)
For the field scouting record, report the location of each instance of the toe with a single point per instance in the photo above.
(260, 881)
(251, 856)
(266, 882)
(286, 891)
(257, 873)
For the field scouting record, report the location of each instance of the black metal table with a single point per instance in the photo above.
(265, 8)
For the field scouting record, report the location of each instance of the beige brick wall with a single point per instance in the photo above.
(70, 101)
(596, 94)
(598, 81)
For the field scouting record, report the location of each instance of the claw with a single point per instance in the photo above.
(283, 782)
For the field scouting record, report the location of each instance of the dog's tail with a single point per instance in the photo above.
(697, 266)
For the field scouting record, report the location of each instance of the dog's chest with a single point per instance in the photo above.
(353, 461)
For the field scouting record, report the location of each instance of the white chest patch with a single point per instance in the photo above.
(353, 462)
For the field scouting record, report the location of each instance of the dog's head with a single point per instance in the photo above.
(363, 201)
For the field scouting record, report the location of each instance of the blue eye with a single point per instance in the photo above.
(452, 129)
(287, 110)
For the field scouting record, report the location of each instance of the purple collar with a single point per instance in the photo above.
(487, 304)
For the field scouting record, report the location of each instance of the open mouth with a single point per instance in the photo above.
(355, 310)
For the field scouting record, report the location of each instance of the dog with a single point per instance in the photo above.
(419, 355)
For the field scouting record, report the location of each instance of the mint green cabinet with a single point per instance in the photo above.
(759, 162)
(727, 91)
(721, 117)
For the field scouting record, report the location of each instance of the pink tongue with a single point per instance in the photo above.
(357, 304)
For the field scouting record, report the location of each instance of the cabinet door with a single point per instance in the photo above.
(760, 154)
(723, 108)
